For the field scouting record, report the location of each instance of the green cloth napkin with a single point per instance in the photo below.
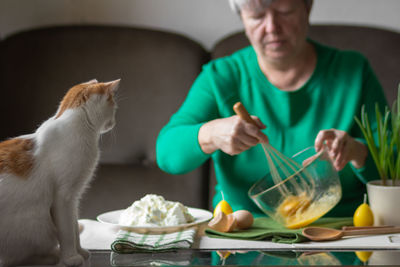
(130, 242)
(265, 228)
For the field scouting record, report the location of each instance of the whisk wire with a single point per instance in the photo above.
(273, 170)
(298, 177)
(287, 166)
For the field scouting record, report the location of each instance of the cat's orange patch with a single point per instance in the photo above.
(16, 156)
(79, 94)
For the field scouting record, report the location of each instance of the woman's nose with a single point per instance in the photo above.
(271, 23)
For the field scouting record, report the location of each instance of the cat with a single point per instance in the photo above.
(43, 176)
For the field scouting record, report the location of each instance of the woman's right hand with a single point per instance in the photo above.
(232, 135)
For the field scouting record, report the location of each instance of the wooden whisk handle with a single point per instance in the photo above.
(241, 111)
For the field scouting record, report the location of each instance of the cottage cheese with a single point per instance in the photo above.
(154, 211)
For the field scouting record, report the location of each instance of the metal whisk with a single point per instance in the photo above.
(280, 165)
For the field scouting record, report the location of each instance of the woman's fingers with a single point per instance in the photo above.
(341, 160)
(235, 147)
(254, 131)
(342, 148)
(324, 136)
(234, 135)
(258, 122)
(337, 142)
(246, 137)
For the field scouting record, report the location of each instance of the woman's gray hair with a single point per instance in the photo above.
(236, 5)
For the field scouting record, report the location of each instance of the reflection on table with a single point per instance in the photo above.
(192, 257)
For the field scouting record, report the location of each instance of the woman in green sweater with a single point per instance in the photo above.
(306, 93)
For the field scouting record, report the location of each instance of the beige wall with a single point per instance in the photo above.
(203, 20)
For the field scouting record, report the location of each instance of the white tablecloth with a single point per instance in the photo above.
(99, 236)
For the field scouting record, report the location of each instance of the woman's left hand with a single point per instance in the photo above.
(342, 148)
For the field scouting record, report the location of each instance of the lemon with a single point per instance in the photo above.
(363, 215)
(224, 207)
(363, 255)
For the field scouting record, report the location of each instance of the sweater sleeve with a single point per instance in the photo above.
(177, 148)
(372, 94)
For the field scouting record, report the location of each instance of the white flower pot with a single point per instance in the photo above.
(384, 202)
(384, 258)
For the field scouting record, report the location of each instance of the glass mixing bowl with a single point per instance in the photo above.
(305, 193)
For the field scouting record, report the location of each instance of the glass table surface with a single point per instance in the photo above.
(197, 257)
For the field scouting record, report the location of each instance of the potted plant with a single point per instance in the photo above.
(384, 194)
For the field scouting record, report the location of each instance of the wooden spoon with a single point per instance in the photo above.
(325, 234)
(366, 227)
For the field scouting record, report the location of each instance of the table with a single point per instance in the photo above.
(383, 250)
(201, 257)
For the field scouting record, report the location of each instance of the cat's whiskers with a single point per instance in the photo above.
(118, 97)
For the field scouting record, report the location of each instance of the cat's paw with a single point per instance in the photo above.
(84, 253)
(75, 260)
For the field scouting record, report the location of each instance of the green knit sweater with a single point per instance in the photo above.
(341, 83)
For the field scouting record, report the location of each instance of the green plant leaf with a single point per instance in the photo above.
(366, 131)
(384, 151)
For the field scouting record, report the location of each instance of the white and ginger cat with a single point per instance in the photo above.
(43, 175)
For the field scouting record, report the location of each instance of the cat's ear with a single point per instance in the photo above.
(112, 86)
(91, 81)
